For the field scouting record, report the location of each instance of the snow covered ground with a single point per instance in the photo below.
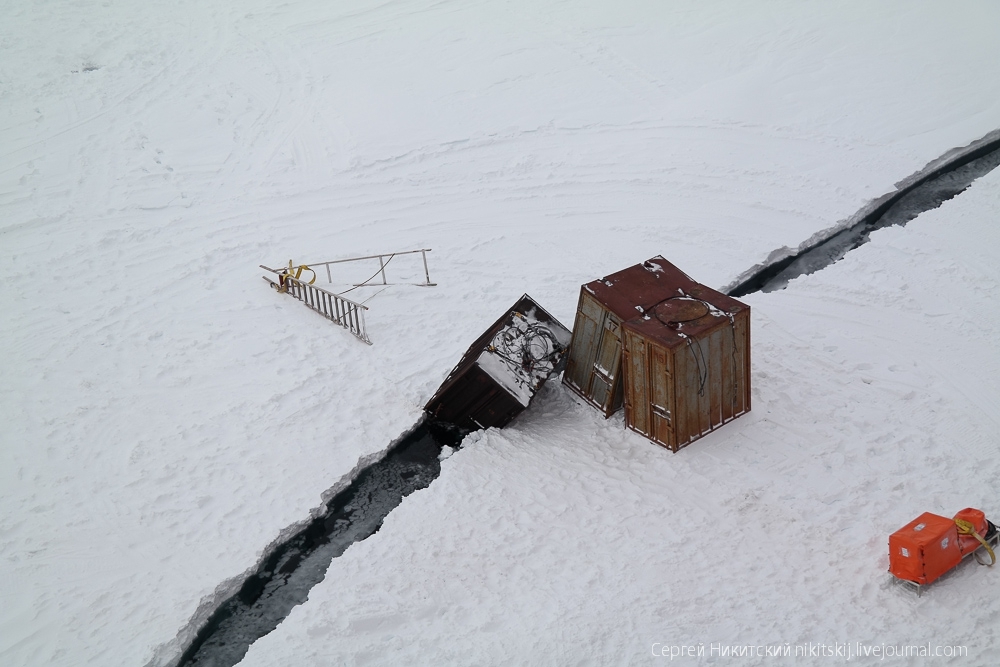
(564, 539)
(165, 415)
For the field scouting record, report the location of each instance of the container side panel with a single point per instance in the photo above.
(677, 414)
(687, 393)
(636, 401)
(743, 357)
(481, 413)
(453, 403)
(474, 400)
(745, 318)
(497, 410)
(728, 369)
(660, 389)
(672, 400)
(627, 375)
(715, 390)
(698, 381)
(702, 363)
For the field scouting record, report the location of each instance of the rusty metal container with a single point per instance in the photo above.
(502, 371)
(676, 353)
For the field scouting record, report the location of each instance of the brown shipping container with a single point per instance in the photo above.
(503, 369)
(675, 352)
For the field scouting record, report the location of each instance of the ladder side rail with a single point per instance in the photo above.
(344, 312)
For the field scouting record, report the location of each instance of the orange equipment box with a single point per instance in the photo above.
(924, 549)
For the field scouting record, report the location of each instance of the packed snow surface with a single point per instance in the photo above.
(565, 539)
(166, 415)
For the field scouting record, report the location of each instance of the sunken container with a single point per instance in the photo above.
(503, 370)
(673, 352)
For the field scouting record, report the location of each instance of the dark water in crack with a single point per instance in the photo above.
(925, 195)
(287, 574)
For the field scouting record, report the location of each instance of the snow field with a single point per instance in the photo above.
(166, 416)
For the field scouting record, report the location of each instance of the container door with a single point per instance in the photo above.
(606, 365)
(583, 349)
(661, 399)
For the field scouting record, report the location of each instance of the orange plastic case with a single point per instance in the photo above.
(924, 549)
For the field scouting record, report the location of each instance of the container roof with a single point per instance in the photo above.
(660, 301)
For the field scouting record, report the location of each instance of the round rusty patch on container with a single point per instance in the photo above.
(680, 309)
